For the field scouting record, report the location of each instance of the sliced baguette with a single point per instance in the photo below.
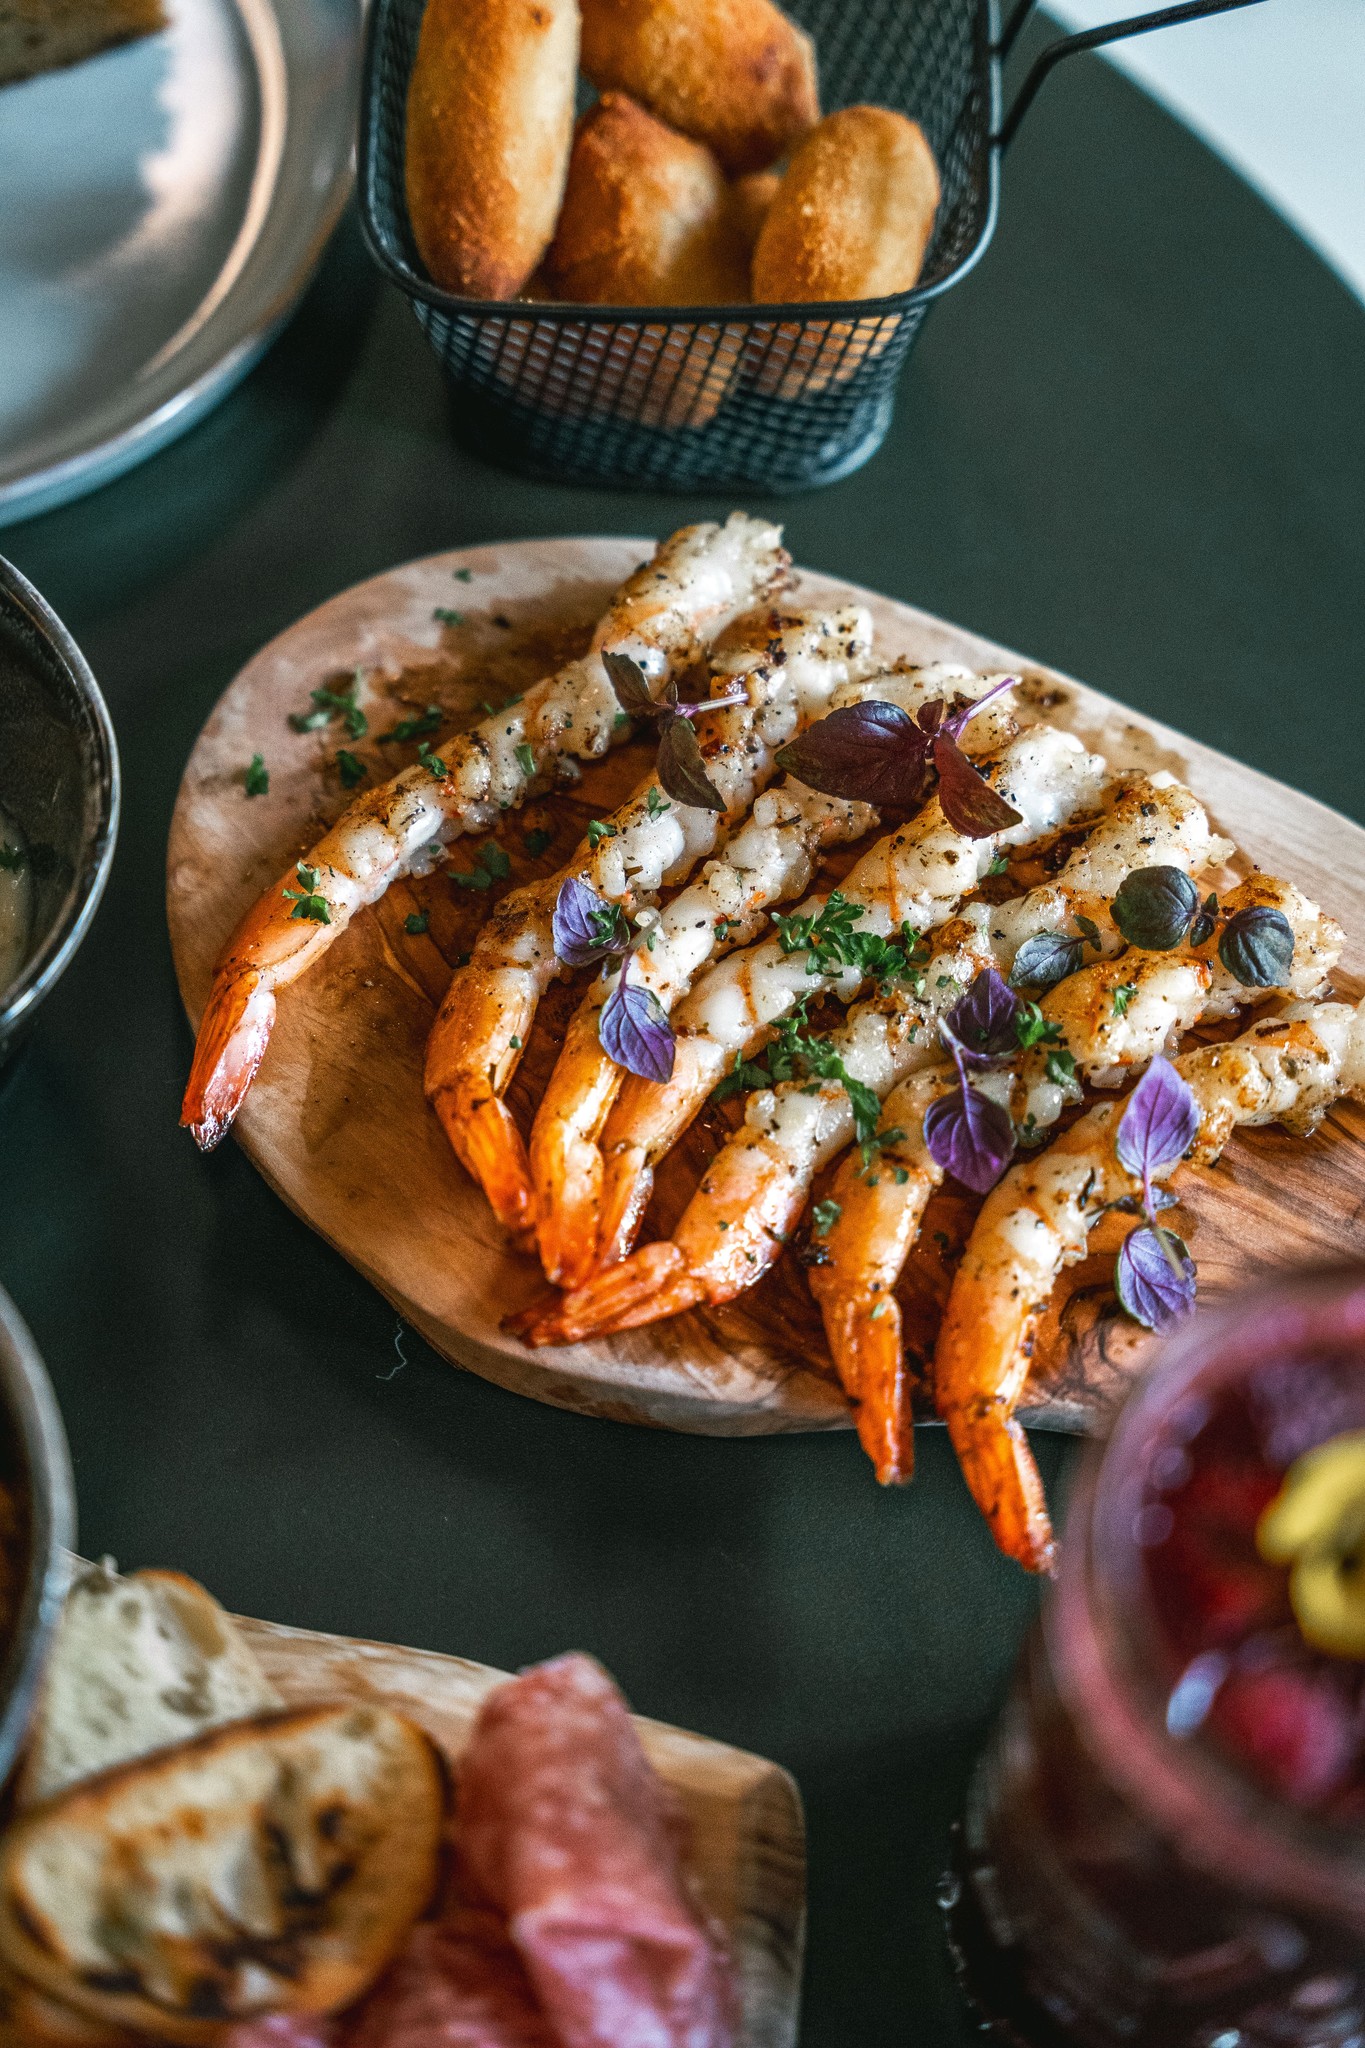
(138, 1663)
(30, 2019)
(269, 1867)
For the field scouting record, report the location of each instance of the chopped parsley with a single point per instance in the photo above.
(514, 1042)
(306, 900)
(490, 865)
(413, 728)
(1061, 1068)
(350, 768)
(654, 801)
(824, 1216)
(1123, 996)
(834, 942)
(597, 832)
(1000, 865)
(795, 1054)
(258, 777)
(1032, 1028)
(526, 759)
(415, 923)
(536, 841)
(463, 575)
(330, 704)
(431, 761)
(448, 617)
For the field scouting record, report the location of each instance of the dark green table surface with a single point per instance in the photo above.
(1133, 442)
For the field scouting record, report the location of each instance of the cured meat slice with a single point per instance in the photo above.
(458, 1983)
(564, 1826)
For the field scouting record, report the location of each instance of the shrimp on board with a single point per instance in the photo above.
(732, 1012)
(769, 861)
(663, 615)
(877, 1214)
(1288, 1069)
(752, 1194)
(788, 667)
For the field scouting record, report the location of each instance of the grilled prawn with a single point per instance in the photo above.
(788, 668)
(769, 861)
(663, 615)
(1163, 994)
(1287, 1069)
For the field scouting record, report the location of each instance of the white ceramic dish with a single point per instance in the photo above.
(164, 205)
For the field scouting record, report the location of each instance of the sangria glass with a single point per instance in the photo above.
(1165, 1841)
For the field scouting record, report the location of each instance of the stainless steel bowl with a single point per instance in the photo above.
(59, 782)
(35, 1470)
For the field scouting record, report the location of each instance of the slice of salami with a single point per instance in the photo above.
(282, 2031)
(457, 1983)
(563, 1824)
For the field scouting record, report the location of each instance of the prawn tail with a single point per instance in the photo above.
(1006, 1485)
(653, 1283)
(233, 1035)
(866, 1341)
(490, 1147)
(568, 1186)
(627, 1184)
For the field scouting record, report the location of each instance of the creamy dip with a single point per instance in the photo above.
(16, 900)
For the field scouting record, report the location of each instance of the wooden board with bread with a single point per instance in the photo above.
(230, 1832)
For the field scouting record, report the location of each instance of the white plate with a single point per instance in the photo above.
(164, 205)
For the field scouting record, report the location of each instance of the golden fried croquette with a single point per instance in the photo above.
(853, 215)
(750, 198)
(490, 123)
(647, 218)
(736, 74)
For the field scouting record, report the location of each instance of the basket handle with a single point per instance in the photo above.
(1087, 39)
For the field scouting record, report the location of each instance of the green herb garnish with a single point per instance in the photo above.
(536, 841)
(1123, 996)
(350, 768)
(257, 777)
(598, 831)
(448, 617)
(305, 899)
(413, 728)
(415, 923)
(526, 759)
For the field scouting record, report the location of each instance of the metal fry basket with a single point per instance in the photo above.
(776, 398)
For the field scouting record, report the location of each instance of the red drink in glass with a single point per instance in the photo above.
(1165, 1842)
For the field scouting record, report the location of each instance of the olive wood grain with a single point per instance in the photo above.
(336, 1121)
(746, 1837)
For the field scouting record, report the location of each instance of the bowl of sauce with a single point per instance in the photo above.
(59, 798)
(37, 1525)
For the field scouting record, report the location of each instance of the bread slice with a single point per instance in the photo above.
(138, 1663)
(43, 35)
(270, 1867)
(30, 2019)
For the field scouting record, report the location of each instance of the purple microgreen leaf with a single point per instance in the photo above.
(969, 803)
(970, 1137)
(585, 928)
(681, 770)
(965, 708)
(631, 685)
(1155, 1277)
(1046, 959)
(1257, 947)
(869, 753)
(635, 1032)
(1155, 908)
(1159, 1122)
(981, 1025)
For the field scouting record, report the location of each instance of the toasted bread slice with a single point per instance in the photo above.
(269, 1867)
(30, 2019)
(138, 1663)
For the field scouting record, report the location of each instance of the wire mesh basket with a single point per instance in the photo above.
(682, 398)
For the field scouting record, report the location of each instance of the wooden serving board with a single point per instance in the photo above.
(747, 1839)
(337, 1123)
